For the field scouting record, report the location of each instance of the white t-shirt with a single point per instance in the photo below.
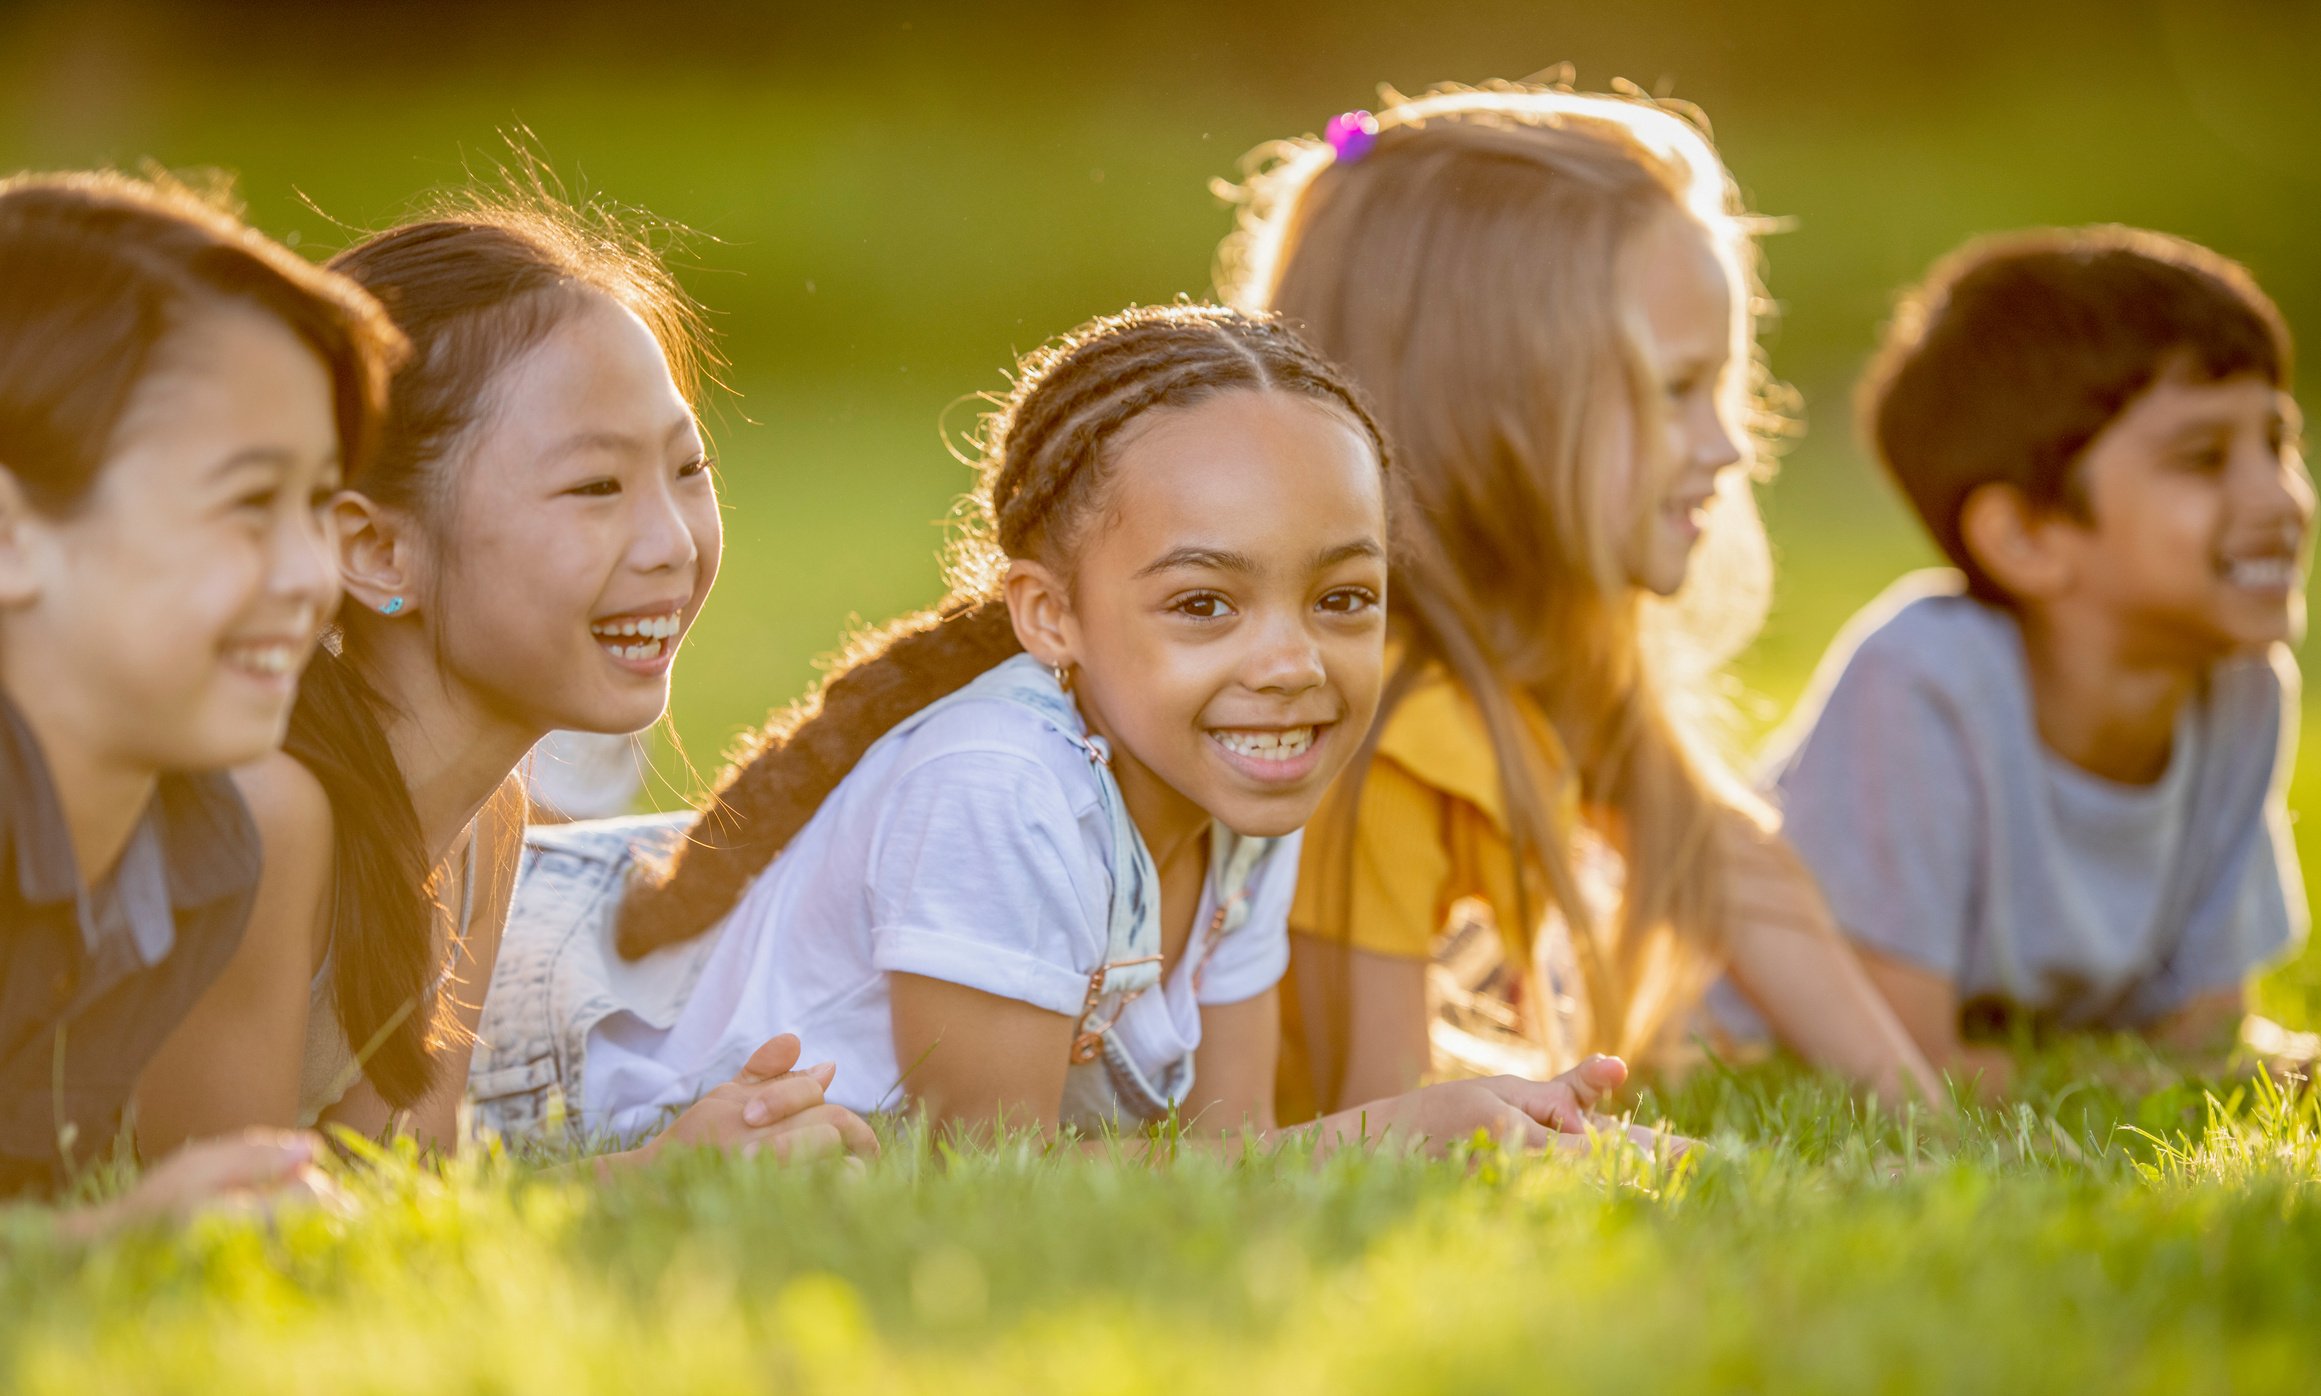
(972, 849)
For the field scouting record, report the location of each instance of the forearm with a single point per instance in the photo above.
(1790, 960)
(2208, 1025)
(1364, 1022)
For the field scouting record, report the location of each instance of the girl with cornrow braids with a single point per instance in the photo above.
(523, 553)
(1036, 846)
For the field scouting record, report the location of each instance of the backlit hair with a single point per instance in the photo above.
(1468, 270)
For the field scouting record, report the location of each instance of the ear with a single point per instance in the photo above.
(377, 555)
(2024, 548)
(19, 566)
(1041, 607)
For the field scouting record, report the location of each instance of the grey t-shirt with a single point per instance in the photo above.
(1913, 782)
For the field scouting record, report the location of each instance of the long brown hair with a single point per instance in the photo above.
(1466, 270)
(97, 269)
(1044, 460)
(475, 286)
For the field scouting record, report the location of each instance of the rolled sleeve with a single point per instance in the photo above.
(982, 876)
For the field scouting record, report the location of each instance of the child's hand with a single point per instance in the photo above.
(1516, 1112)
(257, 1170)
(768, 1105)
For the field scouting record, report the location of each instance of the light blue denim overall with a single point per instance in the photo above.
(558, 975)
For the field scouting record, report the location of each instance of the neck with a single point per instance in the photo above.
(1173, 827)
(102, 796)
(1175, 834)
(453, 747)
(2098, 702)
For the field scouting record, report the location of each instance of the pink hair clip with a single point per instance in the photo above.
(1350, 135)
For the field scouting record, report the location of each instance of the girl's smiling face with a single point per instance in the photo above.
(162, 623)
(583, 535)
(1224, 614)
(1685, 303)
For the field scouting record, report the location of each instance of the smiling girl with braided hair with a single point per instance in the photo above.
(1038, 844)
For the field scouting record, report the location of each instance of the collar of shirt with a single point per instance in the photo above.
(209, 846)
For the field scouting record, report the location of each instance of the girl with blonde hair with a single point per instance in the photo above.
(1550, 296)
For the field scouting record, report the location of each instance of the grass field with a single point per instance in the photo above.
(893, 200)
(2115, 1230)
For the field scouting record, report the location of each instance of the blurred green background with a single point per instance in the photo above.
(893, 200)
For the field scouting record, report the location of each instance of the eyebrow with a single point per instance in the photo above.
(1347, 552)
(2209, 422)
(613, 440)
(1226, 560)
(1211, 559)
(280, 458)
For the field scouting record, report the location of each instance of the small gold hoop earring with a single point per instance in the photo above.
(1063, 676)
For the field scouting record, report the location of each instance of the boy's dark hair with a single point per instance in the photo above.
(2018, 349)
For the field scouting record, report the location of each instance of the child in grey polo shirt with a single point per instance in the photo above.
(2045, 789)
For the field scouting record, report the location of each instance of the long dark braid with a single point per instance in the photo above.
(1043, 458)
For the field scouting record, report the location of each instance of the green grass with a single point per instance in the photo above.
(2149, 1234)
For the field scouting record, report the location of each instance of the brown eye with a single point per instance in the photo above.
(1203, 605)
(1348, 601)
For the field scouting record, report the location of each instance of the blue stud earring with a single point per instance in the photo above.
(394, 604)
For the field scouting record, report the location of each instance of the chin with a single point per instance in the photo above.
(1268, 819)
(1666, 581)
(222, 744)
(616, 716)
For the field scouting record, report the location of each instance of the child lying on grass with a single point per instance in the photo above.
(1549, 297)
(176, 394)
(2045, 790)
(1037, 848)
(525, 552)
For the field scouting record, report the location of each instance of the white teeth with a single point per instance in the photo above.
(270, 660)
(643, 649)
(2262, 573)
(1277, 745)
(654, 628)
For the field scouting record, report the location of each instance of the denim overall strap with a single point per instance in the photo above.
(1102, 1084)
(558, 975)
(1132, 949)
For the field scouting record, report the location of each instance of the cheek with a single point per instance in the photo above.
(1622, 471)
(190, 590)
(510, 591)
(707, 525)
(1148, 678)
(1357, 665)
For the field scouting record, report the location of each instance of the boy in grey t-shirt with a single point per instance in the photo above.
(2046, 788)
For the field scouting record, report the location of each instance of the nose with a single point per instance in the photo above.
(663, 541)
(1716, 445)
(2282, 491)
(302, 561)
(1287, 659)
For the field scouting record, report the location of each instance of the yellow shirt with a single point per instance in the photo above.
(1430, 831)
